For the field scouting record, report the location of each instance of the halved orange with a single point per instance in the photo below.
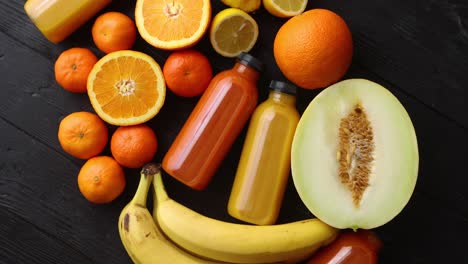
(173, 24)
(126, 88)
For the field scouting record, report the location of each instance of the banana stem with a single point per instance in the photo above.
(146, 177)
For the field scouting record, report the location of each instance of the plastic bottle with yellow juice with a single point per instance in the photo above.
(57, 19)
(264, 166)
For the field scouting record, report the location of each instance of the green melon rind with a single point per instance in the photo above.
(313, 154)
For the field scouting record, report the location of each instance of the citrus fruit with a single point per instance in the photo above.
(314, 49)
(233, 31)
(113, 31)
(133, 146)
(82, 135)
(172, 24)
(354, 156)
(101, 179)
(187, 72)
(285, 8)
(126, 88)
(246, 5)
(72, 68)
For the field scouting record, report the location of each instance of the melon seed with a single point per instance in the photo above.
(355, 153)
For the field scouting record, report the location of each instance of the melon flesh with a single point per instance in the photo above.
(315, 164)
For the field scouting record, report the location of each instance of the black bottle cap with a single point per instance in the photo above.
(250, 60)
(283, 87)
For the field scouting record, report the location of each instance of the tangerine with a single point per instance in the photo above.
(314, 49)
(72, 68)
(113, 31)
(101, 179)
(187, 72)
(82, 135)
(134, 146)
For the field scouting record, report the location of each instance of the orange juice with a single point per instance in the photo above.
(218, 118)
(57, 19)
(265, 162)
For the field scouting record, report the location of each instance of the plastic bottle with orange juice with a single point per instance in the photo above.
(212, 127)
(57, 19)
(264, 166)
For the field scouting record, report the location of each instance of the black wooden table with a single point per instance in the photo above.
(417, 49)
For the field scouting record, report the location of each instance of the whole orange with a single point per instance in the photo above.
(113, 31)
(101, 179)
(187, 72)
(83, 135)
(72, 68)
(133, 146)
(314, 49)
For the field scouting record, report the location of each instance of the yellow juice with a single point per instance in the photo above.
(264, 165)
(57, 19)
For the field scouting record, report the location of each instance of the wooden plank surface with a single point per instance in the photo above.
(418, 49)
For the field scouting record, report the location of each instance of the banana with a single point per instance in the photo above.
(141, 237)
(237, 243)
(246, 5)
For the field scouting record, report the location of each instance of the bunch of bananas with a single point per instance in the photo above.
(177, 234)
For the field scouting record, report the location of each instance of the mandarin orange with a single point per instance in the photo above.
(72, 68)
(113, 31)
(187, 72)
(101, 179)
(134, 146)
(82, 135)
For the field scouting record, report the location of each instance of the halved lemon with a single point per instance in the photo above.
(174, 24)
(232, 32)
(126, 88)
(285, 8)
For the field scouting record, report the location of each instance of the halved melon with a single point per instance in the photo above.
(354, 156)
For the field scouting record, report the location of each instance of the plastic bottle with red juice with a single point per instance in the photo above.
(350, 247)
(216, 121)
